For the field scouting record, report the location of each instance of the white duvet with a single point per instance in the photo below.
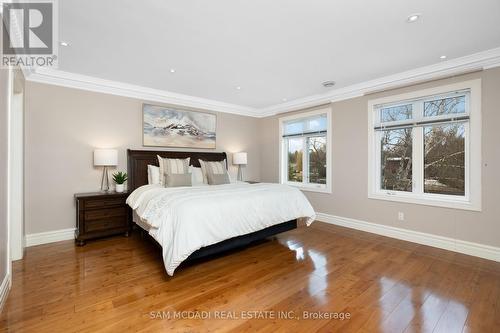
(185, 219)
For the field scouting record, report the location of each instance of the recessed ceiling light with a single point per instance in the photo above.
(64, 43)
(238, 88)
(413, 18)
(284, 99)
(172, 70)
(442, 57)
(328, 84)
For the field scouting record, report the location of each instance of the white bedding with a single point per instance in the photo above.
(185, 219)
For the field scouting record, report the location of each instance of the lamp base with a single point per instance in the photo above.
(105, 180)
(240, 173)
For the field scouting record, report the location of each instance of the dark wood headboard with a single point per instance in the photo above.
(138, 161)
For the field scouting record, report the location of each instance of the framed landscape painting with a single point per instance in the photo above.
(170, 127)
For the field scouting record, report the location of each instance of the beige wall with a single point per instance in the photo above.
(4, 95)
(350, 173)
(63, 126)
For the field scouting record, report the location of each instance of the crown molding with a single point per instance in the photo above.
(474, 62)
(84, 82)
(492, 65)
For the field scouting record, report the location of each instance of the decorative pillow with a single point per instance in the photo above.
(176, 180)
(215, 168)
(153, 175)
(196, 176)
(203, 172)
(172, 166)
(214, 179)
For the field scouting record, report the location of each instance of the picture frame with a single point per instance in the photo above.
(165, 126)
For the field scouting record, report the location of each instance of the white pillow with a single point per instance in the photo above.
(219, 167)
(153, 175)
(172, 165)
(196, 176)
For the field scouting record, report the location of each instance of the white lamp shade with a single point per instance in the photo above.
(105, 157)
(240, 158)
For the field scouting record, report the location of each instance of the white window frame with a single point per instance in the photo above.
(473, 154)
(283, 154)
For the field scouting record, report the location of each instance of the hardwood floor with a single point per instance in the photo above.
(384, 285)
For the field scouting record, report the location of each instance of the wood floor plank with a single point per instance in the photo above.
(485, 302)
(120, 285)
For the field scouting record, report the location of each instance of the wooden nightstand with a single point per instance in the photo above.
(100, 214)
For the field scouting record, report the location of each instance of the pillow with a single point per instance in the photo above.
(176, 180)
(172, 166)
(203, 172)
(196, 176)
(153, 175)
(214, 179)
(215, 168)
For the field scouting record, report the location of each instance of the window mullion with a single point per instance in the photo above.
(467, 161)
(305, 161)
(286, 159)
(378, 160)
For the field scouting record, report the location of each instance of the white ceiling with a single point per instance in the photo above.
(272, 49)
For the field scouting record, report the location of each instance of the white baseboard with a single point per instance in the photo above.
(4, 290)
(451, 244)
(50, 237)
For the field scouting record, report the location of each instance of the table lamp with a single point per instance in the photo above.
(240, 159)
(105, 158)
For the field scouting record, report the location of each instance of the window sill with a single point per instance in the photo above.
(426, 201)
(310, 188)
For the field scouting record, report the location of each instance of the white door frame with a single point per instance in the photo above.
(16, 167)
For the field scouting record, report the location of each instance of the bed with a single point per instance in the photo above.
(195, 222)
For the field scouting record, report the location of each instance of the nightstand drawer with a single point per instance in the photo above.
(102, 203)
(101, 225)
(100, 214)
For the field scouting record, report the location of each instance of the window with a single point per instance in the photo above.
(305, 151)
(425, 147)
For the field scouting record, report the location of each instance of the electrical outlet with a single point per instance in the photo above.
(401, 216)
